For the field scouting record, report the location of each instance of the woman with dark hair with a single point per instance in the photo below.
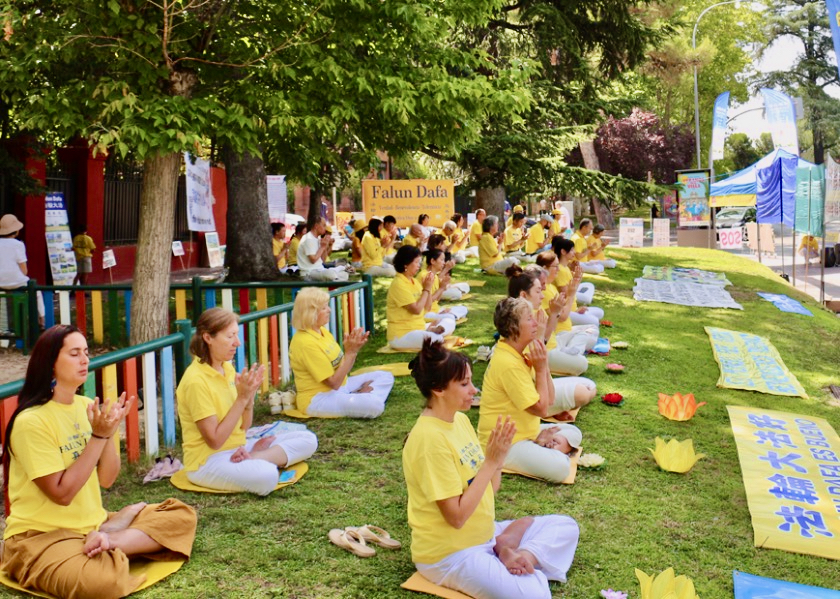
(373, 252)
(570, 274)
(435, 264)
(490, 255)
(59, 539)
(518, 384)
(408, 302)
(359, 230)
(216, 408)
(455, 540)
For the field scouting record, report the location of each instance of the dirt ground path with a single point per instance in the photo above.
(12, 365)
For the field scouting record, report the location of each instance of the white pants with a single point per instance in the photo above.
(585, 293)
(253, 476)
(502, 265)
(592, 267)
(472, 251)
(389, 258)
(341, 244)
(606, 263)
(478, 572)
(527, 457)
(414, 339)
(592, 316)
(559, 362)
(456, 312)
(459, 257)
(343, 402)
(326, 274)
(455, 291)
(385, 270)
(565, 389)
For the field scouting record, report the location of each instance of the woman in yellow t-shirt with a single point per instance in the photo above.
(596, 247)
(455, 540)
(373, 252)
(321, 367)
(216, 408)
(570, 272)
(435, 264)
(60, 452)
(521, 387)
(408, 302)
(278, 245)
(490, 257)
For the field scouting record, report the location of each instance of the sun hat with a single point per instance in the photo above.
(359, 224)
(547, 218)
(518, 208)
(572, 434)
(9, 224)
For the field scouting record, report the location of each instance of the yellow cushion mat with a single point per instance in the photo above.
(569, 480)
(420, 584)
(473, 284)
(180, 480)
(573, 413)
(154, 571)
(397, 369)
(295, 413)
(466, 296)
(450, 342)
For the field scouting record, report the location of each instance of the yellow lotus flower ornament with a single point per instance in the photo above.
(678, 407)
(666, 586)
(676, 456)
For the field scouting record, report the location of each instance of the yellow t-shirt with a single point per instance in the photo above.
(562, 325)
(596, 248)
(555, 228)
(277, 246)
(459, 239)
(48, 439)
(440, 459)
(204, 392)
(475, 233)
(410, 240)
(564, 275)
(385, 239)
(488, 251)
(513, 239)
(536, 239)
(372, 251)
(402, 292)
(508, 390)
(435, 286)
(291, 260)
(580, 246)
(314, 357)
(83, 246)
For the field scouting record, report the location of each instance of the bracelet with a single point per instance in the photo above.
(95, 436)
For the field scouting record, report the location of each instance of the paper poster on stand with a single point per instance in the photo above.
(731, 239)
(59, 240)
(670, 206)
(214, 250)
(631, 232)
(199, 195)
(277, 197)
(661, 232)
(693, 194)
(109, 260)
(177, 248)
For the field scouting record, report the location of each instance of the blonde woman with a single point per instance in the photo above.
(321, 368)
(216, 408)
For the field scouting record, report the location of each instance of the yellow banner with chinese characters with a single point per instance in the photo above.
(406, 199)
(791, 469)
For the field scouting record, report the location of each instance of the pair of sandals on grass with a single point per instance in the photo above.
(355, 540)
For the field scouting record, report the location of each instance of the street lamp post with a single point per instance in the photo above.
(696, 95)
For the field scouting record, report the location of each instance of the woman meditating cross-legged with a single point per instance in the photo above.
(520, 386)
(455, 540)
(216, 408)
(59, 539)
(321, 367)
(436, 264)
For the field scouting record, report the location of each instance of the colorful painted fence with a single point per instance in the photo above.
(791, 469)
(150, 371)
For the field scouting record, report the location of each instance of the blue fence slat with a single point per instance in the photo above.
(333, 326)
(239, 358)
(167, 395)
(127, 296)
(209, 299)
(49, 311)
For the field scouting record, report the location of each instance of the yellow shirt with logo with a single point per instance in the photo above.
(48, 439)
(277, 246)
(372, 251)
(488, 251)
(440, 460)
(314, 356)
(513, 239)
(508, 389)
(536, 239)
(294, 242)
(475, 233)
(204, 392)
(564, 276)
(435, 286)
(580, 246)
(402, 292)
(83, 246)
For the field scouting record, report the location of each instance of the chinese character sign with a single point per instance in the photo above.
(693, 194)
(791, 469)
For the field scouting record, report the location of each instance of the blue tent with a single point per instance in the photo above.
(740, 189)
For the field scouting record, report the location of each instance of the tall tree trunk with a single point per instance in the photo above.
(248, 255)
(315, 194)
(150, 289)
(492, 200)
(601, 210)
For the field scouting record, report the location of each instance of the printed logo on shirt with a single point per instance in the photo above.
(471, 455)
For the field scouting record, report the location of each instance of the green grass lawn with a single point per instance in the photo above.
(631, 514)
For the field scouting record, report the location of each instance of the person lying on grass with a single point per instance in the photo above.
(455, 540)
(408, 302)
(569, 271)
(566, 348)
(59, 539)
(216, 408)
(321, 367)
(519, 384)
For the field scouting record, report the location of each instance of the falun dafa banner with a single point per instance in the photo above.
(790, 464)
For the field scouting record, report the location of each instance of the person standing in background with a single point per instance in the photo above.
(83, 247)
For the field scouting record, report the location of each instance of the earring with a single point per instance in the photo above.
(53, 383)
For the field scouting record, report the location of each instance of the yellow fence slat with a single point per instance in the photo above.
(180, 304)
(98, 324)
(262, 298)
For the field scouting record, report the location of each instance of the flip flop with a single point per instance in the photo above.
(352, 541)
(378, 536)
